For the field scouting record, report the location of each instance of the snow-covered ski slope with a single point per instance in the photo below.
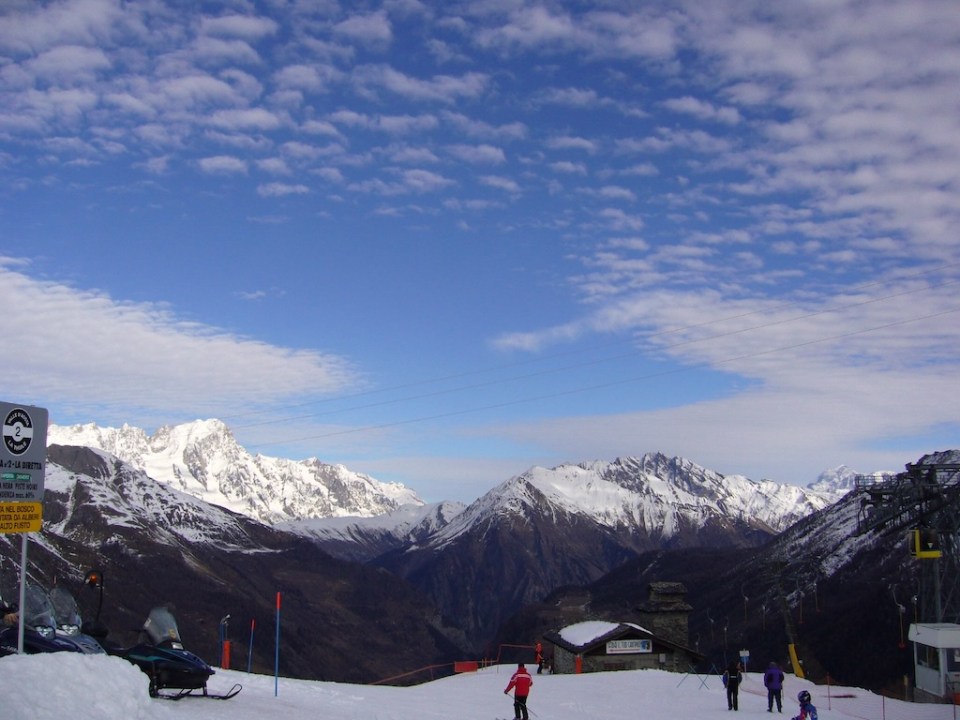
(63, 686)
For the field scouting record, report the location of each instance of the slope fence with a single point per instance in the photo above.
(432, 672)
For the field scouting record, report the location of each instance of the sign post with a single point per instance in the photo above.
(23, 463)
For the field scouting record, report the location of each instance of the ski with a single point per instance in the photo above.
(229, 694)
(232, 692)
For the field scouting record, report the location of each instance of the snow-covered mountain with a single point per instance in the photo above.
(572, 524)
(842, 479)
(653, 495)
(837, 584)
(203, 459)
(352, 515)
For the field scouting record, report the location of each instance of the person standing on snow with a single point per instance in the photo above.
(731, 679)
(520, 683)
(773, 681)
(538, 656)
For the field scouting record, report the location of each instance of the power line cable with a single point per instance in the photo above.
(553, 356)
(599, 386)
(598, 361)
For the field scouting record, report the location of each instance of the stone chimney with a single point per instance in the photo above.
(666, 612)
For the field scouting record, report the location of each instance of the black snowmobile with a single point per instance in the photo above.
(159, 653)
(69, 624)
(39, 628)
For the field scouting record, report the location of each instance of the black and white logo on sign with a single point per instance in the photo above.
(17, 431)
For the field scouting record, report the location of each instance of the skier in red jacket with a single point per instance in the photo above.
(522, 681)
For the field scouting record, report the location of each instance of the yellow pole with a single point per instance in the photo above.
(795, 661)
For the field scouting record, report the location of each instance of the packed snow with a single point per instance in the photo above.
(61, 686)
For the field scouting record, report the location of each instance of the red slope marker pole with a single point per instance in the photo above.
(253, 624)
(276, 660)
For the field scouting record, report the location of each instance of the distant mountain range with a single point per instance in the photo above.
(456, 576)
(203, 459)
(530, 534)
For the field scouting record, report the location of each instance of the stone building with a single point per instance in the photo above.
(658, 641)
(666, 612)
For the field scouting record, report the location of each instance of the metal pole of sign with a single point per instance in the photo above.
(23, 591)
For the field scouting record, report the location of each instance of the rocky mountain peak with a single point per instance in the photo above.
(203, 459)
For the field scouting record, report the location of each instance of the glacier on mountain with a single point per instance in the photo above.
(203, 459)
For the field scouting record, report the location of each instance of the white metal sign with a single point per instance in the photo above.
(636, 645)
(23, 463)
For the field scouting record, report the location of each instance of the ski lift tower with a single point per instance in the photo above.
(924, 503)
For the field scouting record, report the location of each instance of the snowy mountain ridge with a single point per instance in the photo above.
(203, 459)
(652, 493)
(101, 490)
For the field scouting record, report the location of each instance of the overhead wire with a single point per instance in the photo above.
(540, 359)
(598, 386)
(598, 361)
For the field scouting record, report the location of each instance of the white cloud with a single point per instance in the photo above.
(192, 91)
(248, 119)
(314, 77)
(399, 153)
(610, 192)
(280, 189)
(566, 142)
(568, 167)
(274, 166)
(87, 348)
(478, 154)
(572, 97)
(529, 27)
(223, 165)
(441, 88)
(373, 28)
(405, 124)
(68, 63)
(425, 181)
(216, 49)
(241, 26)
(703, 110)
(500, 182)
(480, 129)
(33, 28)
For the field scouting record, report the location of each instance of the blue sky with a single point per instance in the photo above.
(442, 242)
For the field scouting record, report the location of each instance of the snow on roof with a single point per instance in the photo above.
(585, 632)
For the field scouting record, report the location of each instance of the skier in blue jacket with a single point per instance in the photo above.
(807, 710)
